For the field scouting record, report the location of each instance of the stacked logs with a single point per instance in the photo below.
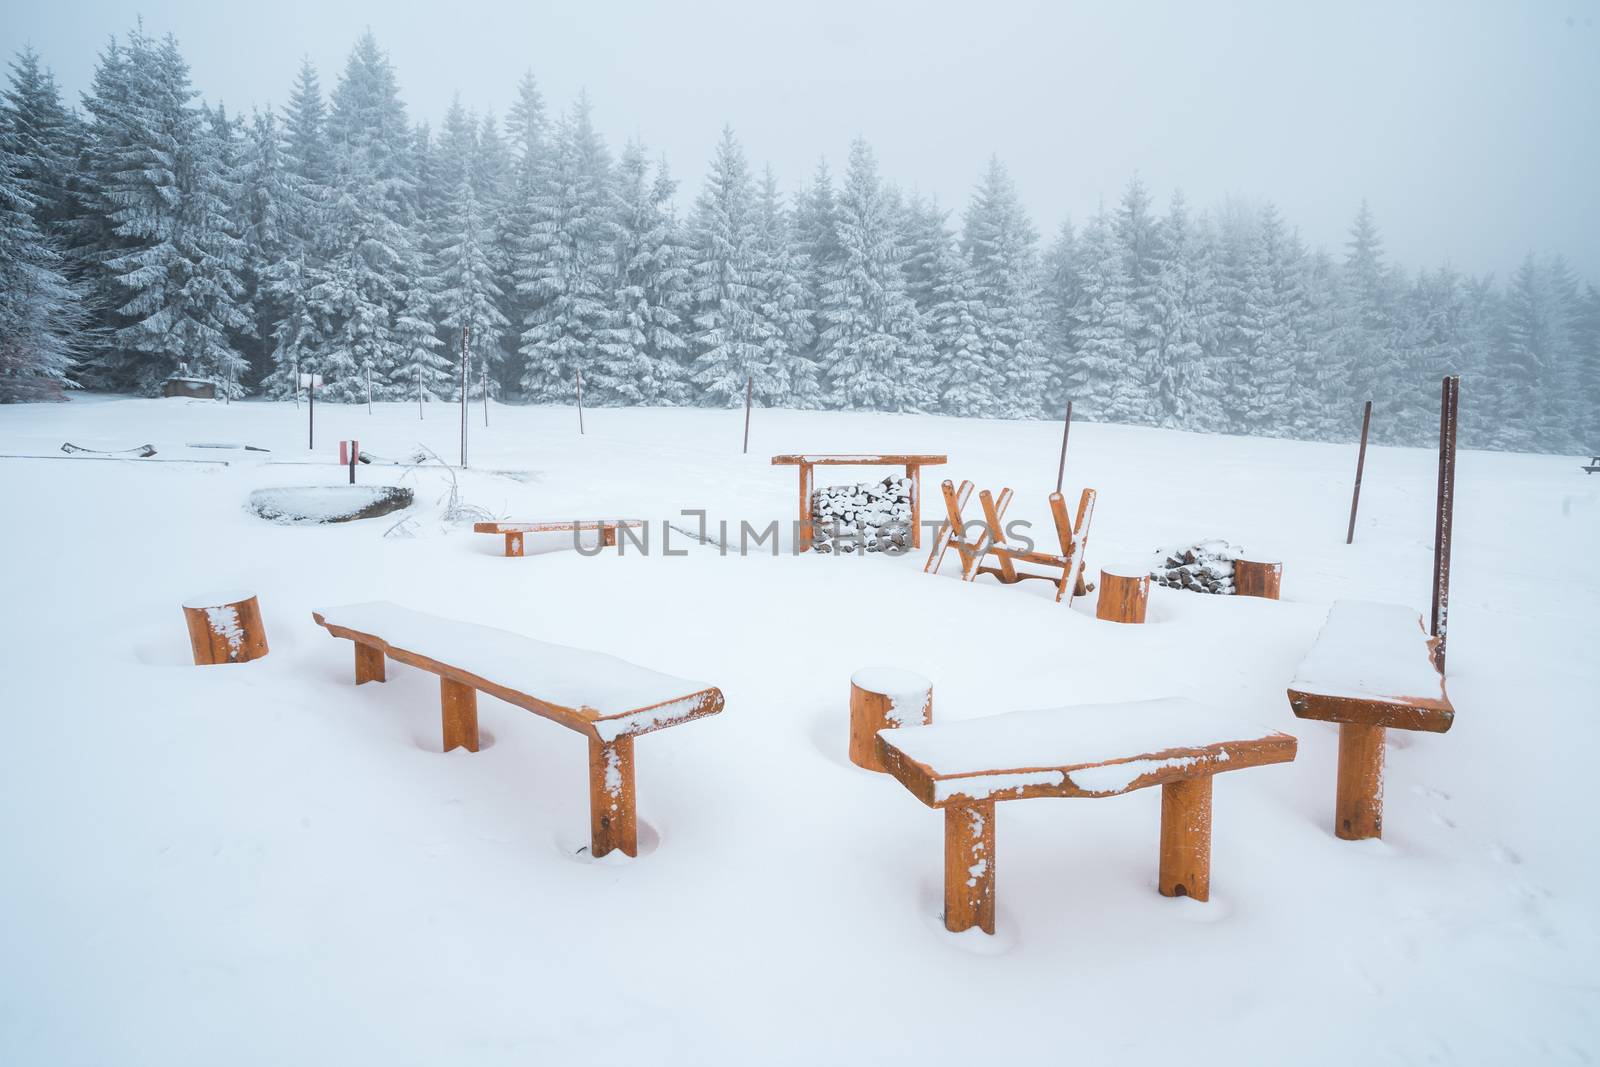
(1203, 567)
(868, 517)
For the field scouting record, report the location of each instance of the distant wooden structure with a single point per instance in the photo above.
(225, 628)
(1592, 466)
(1104, 750)
(912, 462)
(196, 388)
(1064, 570)
(608, 700)
(515, 532)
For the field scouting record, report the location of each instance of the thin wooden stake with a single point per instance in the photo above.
(1066, 428)
(311, 413)
(749, 386)
(580, 403)
(485, 381)
(466, 333)
(369, 388)
(1361, 462)
(1444, 517)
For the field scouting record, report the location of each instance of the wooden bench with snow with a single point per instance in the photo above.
(1065, 569)
(608, 700)
(1372, 668)
(1094, 750)
(515, 532)
(1589, 468)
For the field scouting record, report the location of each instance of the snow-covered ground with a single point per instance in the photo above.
(265, 864)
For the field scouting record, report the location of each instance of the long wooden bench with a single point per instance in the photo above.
(516, 532)
(1371, 669)
(1095, 750)
(608, 700)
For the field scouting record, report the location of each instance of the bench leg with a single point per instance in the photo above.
(514, 543)
(613, 822)
(1358, 812)
(460, 715)
(608, 537)
(1186, 839)
(369, 664)
(969, 867)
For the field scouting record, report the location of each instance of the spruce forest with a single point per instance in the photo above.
(144, 233)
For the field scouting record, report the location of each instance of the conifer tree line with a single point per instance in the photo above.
(144, 232)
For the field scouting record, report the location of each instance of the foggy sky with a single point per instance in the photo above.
(1472, 129)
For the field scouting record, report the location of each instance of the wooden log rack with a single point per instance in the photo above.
(913, 464)
(1063, 570)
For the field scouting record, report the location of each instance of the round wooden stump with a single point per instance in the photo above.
(225, 628)
(1123, 596)
(1253, 577)
(882, 698)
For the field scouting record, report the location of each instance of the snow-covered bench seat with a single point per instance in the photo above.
(607, 699)
(516, 532)
(1094, 750)
(1372, 668)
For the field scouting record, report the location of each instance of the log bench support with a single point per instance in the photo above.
(459, 713)
(613, 822)
(369, 664)
(1358, 807)
(969, 866)
(1186, 839)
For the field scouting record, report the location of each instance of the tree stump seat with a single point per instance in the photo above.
(1124, 594)
(515, 532)
(1257, 577)
(608, 700)
(1098, 750)
(1371, 669)
(225, 628)
(884, 698)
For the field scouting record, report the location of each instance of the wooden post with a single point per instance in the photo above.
(225, 629)
(466, 333)
(749, 387)
(369, 389)
(1260, 578)
(1358, 811)
(355, 452)
(459, 706)
(483, 380)
(608, 536)
(969, 866)
(881, 700)
(1123, 597)
(805, 534)
(1361, 461)
(369, 664)
(580, 403)
(311, 413)
(1066, 428)
(613, 821)
(514, 542)
(1444, 516)
(1186, 839)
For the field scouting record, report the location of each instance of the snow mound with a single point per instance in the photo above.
(309, 505)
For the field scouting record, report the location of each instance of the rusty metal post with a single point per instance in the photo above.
(1066, 428)
(1449, 402)
(1361, 462)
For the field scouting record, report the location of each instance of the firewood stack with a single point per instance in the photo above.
(1203, 567)
(871, 517)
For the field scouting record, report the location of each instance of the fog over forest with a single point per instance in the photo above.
(147, 230)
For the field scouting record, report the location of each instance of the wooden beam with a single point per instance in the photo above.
(1358, 810)
(969, 866)
(1186, 839)
(613, 819)
(459, 715)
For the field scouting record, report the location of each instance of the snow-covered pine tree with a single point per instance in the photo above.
(1058, 296)
(527, 137)
(722, 264)
(1139, 232)
(963, 344)
(1179, 315)
(564, 268)
(163, 189)
(783, 304)
(816, 245)
(642, 354)
(40, 311)
(1001, 244)
(1101, 368)
(1364, 338)
(267, 227)
(466, 291)
(1537, 338)
(422, 369)
(43, 137)
(872, 350)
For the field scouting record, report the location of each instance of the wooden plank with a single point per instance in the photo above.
(1185, 869)
(1400, 713)
(584, 720)
(1147, 769)
(969, 867)
(554, 526)
(458, 714)
(613, 817)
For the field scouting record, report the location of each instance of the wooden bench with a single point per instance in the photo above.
(1372, 668)
(911, 462)
(515, 531)
(606, 699)
(1098, 750)
(1072, 536)
(1589, 468)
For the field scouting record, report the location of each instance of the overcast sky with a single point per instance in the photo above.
(1473, 129)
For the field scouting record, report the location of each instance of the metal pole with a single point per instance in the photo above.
(749, 388)
(484, 379)
(1066, 428)
(466, 332)
(311, 412)
(1444, 517)
(580, 403)
(369, 388)
(1361, 462)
